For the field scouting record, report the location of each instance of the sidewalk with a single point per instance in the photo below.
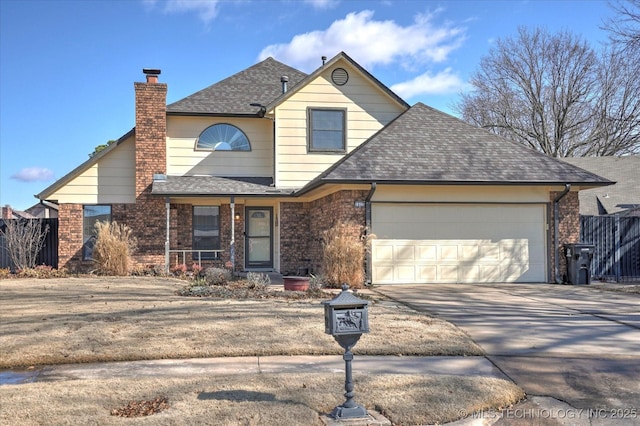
(461, 366)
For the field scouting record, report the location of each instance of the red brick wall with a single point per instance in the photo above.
(147, 218)
(303, 225)
(295, 237)
(568, 228)
(225, 235)
(70, 236)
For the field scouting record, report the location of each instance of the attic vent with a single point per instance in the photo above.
(340, 76)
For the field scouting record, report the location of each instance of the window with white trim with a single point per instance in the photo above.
(327, 130)
(223, 137)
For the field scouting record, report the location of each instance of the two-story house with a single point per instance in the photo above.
(250, 171)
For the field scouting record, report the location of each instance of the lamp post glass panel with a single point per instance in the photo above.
(346, 317)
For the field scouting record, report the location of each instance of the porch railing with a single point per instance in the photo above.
(183, 253)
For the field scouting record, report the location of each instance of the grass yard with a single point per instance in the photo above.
(78, 320)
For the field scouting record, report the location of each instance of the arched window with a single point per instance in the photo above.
(223, 137)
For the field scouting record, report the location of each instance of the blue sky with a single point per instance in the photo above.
(67, 68)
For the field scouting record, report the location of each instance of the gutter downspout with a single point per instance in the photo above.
(233, 234)
(166, 242)
(556, 220)
(367, 231)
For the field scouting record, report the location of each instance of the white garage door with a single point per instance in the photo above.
(417, 243)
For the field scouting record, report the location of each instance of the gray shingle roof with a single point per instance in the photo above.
(195, 186)
(425, 145)
(624, 195)
(259, 83)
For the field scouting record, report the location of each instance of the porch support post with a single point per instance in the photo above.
(368, 261)
(166, 242)
(233, 234)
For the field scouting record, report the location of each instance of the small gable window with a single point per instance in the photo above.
(223, 137)
(327, 129)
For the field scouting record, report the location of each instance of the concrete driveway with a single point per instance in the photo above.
(576, 344)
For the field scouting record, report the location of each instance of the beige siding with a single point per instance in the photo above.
(368, 110)
(462, 193)
(184, 160)
(110, 180)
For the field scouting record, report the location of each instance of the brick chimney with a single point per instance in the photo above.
(147, 217)
(151, 130)
(7, 212)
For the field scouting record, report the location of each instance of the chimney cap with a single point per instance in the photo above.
(151, 71)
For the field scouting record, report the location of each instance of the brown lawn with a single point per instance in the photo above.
(71, 320)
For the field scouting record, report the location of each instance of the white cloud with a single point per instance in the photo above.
(207, 10)
(444, 82)
(371, 42)
(33, 174)
(322, 4)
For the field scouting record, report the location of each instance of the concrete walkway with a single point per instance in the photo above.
(569, 345)
(461, 366)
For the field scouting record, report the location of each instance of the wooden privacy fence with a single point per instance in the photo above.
(49, 253)
(617, 246)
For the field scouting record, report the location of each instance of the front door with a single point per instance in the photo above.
(259, 237)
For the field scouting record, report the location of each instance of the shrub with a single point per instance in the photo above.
(343, 255)
(179, 269)
(41, 271)
(258, 281)
(217, 276)
(197, 269)
(24, 240)
(5, 273)
(316, 282)
(113, 248)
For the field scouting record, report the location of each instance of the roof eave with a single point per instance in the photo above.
(320, 182)
(220, 194)
(213, 114)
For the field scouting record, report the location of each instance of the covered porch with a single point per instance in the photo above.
(230, 223)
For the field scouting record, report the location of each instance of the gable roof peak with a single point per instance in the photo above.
(259, 83)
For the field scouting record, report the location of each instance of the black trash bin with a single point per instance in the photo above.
(579, 262)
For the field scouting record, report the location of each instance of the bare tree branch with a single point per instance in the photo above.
(24, 239)
(555, 94)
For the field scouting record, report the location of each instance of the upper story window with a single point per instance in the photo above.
(223, 137)
(327, 130)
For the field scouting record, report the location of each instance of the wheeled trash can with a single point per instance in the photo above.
(579, 262)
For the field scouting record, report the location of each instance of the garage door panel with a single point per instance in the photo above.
(489, 252)
(470, 274)
(383, 252)
(469, 251)
(427, 252)
(383, 274)
(427, 273)
(491, 273)
(461, 243)
(406, 273)
(407, 252)
(447, 273)
(448, 252)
